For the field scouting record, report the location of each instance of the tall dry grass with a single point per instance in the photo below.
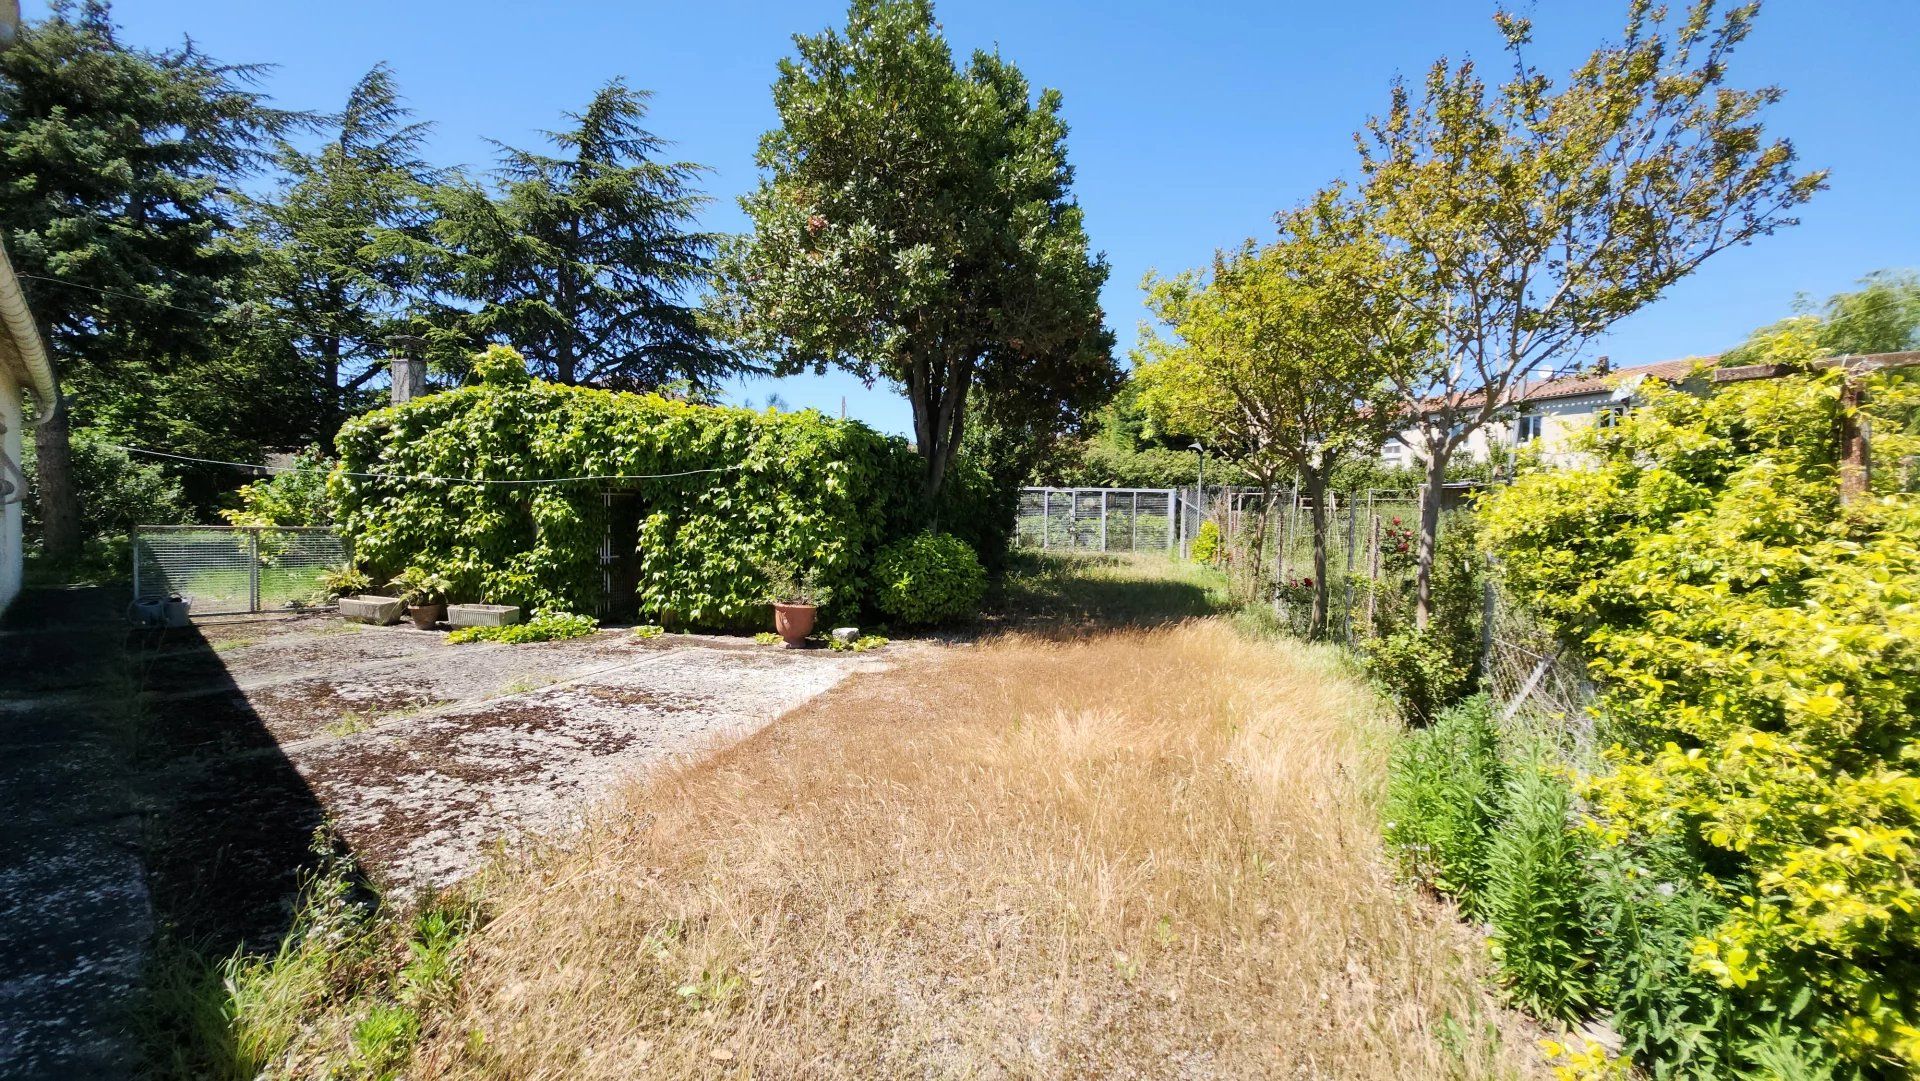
(1149, 854)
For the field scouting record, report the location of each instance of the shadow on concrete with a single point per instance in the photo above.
(231, 829)
(74, 915)
(133, 818)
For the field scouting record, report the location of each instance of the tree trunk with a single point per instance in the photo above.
(939, 419)
(1315, 482)
(1257, 547)
(336, 406)
(1438, 454)
(564, 366)
(59, 499)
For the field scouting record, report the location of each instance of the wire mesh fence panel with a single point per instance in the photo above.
(1531, 675)
(1030, 523)
(291, 563)
(226, 570)
(1096, 519)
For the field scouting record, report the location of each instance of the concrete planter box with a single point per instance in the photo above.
(482, 615)
(379, 611)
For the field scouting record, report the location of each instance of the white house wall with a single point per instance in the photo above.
(1561, 420)
(11, 553)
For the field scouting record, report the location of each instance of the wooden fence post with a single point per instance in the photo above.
(1856, 463)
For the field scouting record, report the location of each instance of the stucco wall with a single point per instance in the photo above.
(11, 552)
(1561, 420)
(1564, 418)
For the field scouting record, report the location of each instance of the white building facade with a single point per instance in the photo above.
(1547, 414)
(24, 370)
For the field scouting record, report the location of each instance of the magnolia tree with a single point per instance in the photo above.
(1540, 216)
(914, 224)
(1284, 358)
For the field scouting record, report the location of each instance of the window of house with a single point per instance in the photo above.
(1527, 429)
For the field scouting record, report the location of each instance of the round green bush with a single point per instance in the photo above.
(928, 578)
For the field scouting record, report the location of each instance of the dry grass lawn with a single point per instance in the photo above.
(1141, 854)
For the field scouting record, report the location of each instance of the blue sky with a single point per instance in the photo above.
(1191, 123)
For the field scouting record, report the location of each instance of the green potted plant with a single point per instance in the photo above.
(345, 580)
(425, 594)
(796, 597)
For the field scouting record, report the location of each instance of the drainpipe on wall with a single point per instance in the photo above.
(15, 320)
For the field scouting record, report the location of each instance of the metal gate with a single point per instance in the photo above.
(1097, 519)
(229, 570)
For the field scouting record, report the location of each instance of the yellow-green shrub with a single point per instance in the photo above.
(928, 578)
(1206, 542)
(1755, 646)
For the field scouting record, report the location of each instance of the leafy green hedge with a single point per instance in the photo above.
(1736, 882)
(819, 493)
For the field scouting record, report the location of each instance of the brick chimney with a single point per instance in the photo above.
(408, 367)
(1602, 365)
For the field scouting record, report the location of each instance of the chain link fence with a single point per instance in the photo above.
(1534, 677)
(232, 570)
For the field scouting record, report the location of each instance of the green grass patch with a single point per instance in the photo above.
(343, 993)
(1113, 589)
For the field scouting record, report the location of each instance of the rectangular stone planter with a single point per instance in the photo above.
(482, 615)
(380, 611)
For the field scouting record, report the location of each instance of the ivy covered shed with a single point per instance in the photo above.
(629, 505)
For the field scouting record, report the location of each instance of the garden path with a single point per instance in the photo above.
(177, 779)
(421, 756)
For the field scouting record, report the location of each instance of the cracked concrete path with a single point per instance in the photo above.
(74, 914)
(176, 780)
(422, 756)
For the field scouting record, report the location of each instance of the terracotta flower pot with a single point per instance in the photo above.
(425, 616)
(793, 622)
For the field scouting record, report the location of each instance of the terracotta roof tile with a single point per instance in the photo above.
(1573, 386)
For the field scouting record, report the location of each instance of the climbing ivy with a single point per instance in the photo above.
(728, 490)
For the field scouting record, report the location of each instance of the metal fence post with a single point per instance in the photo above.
(1133, 525)
(1489, 606)
(1103, 519)
(1046, 517)
(1353, 537)
(253, 570)
(134, 545)
(1373, 563)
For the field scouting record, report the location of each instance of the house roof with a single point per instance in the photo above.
(1583, 383)
(21, 348)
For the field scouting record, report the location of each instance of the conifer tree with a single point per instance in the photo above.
(116, 174)
(584, 259)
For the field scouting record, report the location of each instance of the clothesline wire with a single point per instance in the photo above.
(258, 467)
